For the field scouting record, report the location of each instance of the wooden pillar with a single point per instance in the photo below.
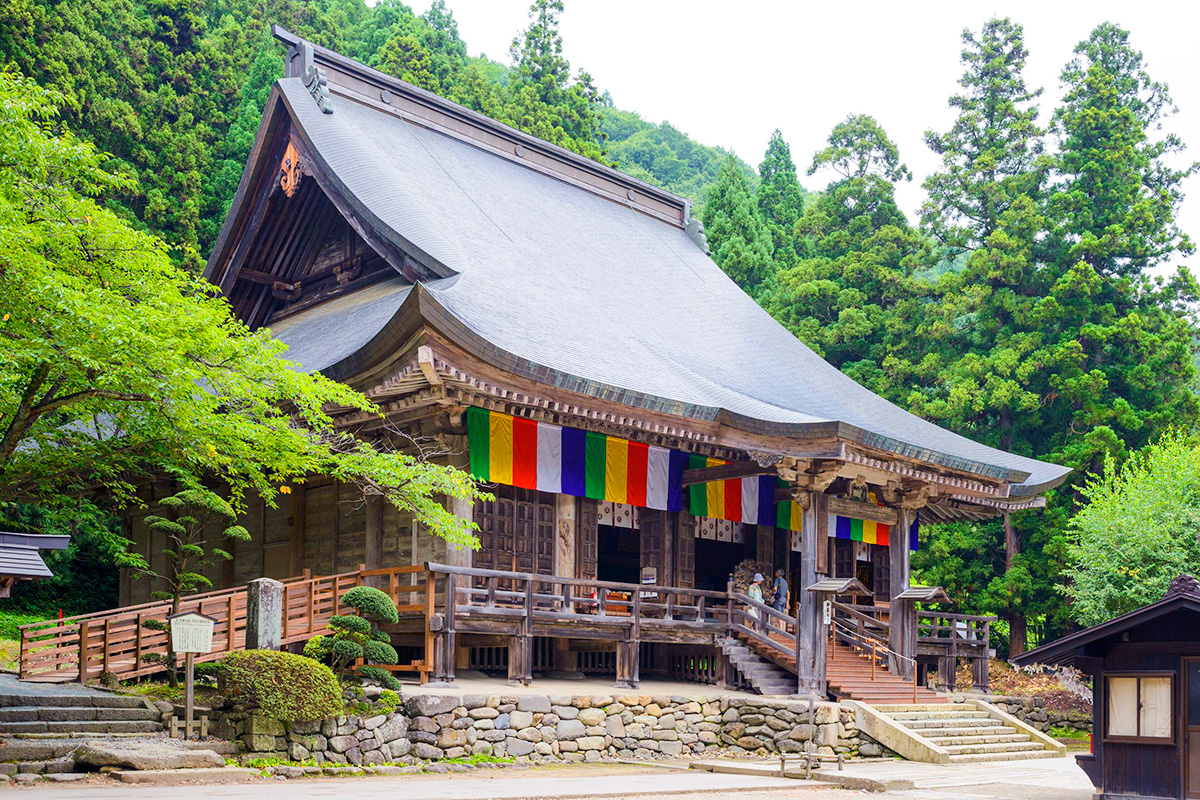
(458, 557)
(465, 510)
(902, 618)
(810, 644)
(373, 537)
(628, 656)
(296, 508)
(564, 567)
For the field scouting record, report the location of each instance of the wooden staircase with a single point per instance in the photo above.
(850, 676)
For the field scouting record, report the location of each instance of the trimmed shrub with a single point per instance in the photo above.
(317, 648)
(380, 675)
(380, 653)
(381, 636)
(283, 686)
(358, 625)
(207, 670)
(371, 603)
(346, 650)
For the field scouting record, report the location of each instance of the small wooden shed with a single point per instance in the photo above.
(1145, 671)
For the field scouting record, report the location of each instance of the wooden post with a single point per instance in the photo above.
(448, 642)
(902, 619)
(810, 644)
(565, 661)
(428, 638)
(83, 652)
(189, 683)
(373, 537)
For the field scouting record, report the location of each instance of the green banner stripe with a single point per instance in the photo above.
(596, 447)
(479, 442)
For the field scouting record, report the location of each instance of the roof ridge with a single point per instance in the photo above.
(445, 116)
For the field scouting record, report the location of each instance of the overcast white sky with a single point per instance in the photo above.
(728, 73)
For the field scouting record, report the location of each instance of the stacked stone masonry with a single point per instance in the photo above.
(556, 728)
(1033, 712)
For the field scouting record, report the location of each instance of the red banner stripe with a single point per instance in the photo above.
(733, 499)
(635, 480)
(524, 453)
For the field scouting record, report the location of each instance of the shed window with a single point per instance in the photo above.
(1139, 706)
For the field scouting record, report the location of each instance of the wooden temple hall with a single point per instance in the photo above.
(651, 436)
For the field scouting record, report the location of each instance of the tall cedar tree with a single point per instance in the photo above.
(738, 237)
(1117, 200)
(991, 155)
(846, 296)
(780, 198)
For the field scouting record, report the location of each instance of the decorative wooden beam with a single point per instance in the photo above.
(744, 469)
(258, 276)
(860, 510)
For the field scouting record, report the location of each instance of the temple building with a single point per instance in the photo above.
(650, 434)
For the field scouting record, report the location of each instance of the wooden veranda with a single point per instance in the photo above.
(440, 606)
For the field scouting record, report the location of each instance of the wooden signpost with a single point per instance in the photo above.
(191, 633)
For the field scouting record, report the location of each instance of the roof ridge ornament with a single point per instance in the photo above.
(315, 79)
(695, 231)
(1183, 586)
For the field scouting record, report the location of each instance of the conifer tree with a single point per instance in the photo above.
(992, 153)
(780, 198)
(1117, 203)
(737, 235)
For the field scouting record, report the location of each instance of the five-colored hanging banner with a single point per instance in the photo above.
(550, 458)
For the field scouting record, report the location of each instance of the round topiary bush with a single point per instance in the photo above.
(283, 686)
(371, 603)
(357, 625)
(381, 676)
(380, 653)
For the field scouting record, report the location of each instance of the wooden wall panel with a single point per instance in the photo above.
(318, 529)
(587, 548)
(685, 549)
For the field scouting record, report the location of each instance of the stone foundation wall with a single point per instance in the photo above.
(556, 727)
(1033, 712)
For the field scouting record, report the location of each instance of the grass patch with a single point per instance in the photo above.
(1068, 733)
(161, 690)
(10, 621)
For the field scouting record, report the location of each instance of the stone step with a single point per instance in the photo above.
(56, 766)
(981, 749)
(910, 707)
(53, 714)
(990, 738)
(953, 722)
(1012, 756)
(902, 716)
(949, 733)
(72, 700)
(81, 727)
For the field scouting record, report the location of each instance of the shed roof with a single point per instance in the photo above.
(1182, 594)
(549, 277)
(19, 556)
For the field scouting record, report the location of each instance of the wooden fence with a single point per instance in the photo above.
(82, 648)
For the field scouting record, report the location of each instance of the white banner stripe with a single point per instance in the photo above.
(549, 458)
(750, 500)
(657, 468)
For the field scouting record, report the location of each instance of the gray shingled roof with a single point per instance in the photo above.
(19, 556)
(586, 293)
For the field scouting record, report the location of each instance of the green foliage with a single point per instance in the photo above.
(780, 199)
(737, 235)
(345, 651)
(991, 156)
(318, 648)
(381, 636)
(117, 364)
(380, 653)
(283, 686)
(1135, 531)
(371, 603)
(1116, 206)
(350, 625)
(380, 675)
(858, 147)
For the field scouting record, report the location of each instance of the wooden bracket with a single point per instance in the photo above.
(281, 290)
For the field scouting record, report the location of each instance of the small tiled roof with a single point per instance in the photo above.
(19, 556)
(568, 286)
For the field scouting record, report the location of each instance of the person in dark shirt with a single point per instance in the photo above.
(779, 589)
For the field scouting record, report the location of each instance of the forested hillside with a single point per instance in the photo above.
(174, 90)
(1019, 310)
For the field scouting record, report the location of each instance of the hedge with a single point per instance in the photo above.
(283, 686)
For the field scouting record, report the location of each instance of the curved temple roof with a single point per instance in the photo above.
(583, 291)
